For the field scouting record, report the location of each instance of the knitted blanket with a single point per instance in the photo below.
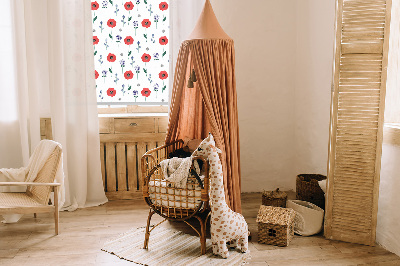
(176, 170)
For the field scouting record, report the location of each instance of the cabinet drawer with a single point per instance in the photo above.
(106, 125)
(134, 125)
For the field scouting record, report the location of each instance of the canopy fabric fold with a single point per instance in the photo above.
(211, 106)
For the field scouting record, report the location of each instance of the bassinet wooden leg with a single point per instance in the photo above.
(147, 235)
(203, 236)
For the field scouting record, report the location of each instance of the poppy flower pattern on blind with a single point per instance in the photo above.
(131, 51)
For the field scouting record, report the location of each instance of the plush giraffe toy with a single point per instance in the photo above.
(226, 225)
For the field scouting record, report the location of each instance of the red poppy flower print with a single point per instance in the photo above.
(146, 58)
(111, 23)
(163, 6)
(128, 6)
(111, 57)
(163, 75)
(111, 92)
(163, 40)
(128, 74)
(96, 74)
(146, 92)
(146, 23)
(128, 40)
(95, 5)
(95, 40)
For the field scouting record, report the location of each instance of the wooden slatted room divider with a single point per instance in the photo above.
(358, 96)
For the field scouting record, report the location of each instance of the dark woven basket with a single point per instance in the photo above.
(274, 198)
(308, 189)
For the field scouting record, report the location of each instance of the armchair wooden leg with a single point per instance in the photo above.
(147, 235)
(56, 212)
(34, 215)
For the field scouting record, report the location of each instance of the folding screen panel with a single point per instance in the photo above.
(358, 96)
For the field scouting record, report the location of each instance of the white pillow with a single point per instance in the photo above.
(322, 184)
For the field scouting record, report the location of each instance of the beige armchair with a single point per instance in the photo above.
(36, 197)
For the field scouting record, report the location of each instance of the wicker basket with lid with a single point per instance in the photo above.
(274, 198)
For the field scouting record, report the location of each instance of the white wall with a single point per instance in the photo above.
(264, 32)
(314, 60)
(388, 227)
(284, 52)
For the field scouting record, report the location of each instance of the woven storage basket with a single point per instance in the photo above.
(308, 189)
(274, 198)
(275, 225)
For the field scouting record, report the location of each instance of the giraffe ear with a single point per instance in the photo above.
(216, 149)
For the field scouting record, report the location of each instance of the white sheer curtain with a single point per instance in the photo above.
(184, 15)
(10, 144)
(55, 77)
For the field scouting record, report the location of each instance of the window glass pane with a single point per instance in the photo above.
(131, 51)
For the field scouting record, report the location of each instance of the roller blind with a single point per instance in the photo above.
(358, 97)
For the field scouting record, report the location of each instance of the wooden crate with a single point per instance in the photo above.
(123, 141)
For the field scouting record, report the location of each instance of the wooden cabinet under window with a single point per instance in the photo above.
(123, 141)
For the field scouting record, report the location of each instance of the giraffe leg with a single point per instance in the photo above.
(215, 248)
(222, 249)
(243, 243)
(233, 243)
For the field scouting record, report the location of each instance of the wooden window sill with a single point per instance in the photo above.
(132, 110)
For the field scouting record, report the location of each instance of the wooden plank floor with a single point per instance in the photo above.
(83, 232)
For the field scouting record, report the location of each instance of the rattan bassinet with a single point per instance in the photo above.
(170, 202)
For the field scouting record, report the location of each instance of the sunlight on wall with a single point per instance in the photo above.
(8, 99)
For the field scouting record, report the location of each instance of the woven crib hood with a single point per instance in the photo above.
(210, 105)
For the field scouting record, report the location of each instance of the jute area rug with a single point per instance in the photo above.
(168, 247)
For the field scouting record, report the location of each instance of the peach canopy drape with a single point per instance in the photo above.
(211, 106)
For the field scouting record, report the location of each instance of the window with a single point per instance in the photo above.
(131, 51)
